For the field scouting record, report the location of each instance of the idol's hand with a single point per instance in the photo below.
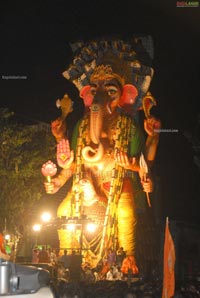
(65, 156)
(147, 185)
(53, 186)
(152, 126)
(48, 170)
(124, 161)
(58, 129)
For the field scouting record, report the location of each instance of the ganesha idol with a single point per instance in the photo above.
(107, 144)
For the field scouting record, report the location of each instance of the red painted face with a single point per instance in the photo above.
(123, 97)
(111, 87)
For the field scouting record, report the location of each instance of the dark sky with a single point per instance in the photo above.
(34, 44)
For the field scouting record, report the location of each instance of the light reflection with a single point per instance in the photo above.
(37, 227)
(46, 216)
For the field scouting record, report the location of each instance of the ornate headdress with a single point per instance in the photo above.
(127, 61)
(105, 72)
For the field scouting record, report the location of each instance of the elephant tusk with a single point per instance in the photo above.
(109, 109)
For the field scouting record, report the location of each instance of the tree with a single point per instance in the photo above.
(23, 149)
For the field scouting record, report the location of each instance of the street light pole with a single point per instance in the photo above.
(36, 229)
(46, 217)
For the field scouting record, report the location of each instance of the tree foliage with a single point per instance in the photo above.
(24, 148)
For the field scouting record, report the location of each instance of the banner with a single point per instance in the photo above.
(169, 264)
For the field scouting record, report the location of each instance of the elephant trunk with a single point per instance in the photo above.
(96, 122)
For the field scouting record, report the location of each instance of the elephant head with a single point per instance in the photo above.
(106, 92)
(102, 98)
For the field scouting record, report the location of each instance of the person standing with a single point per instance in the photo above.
(120, 256)
(35, 256)
(65, 260)
(43, 256)
(111, 257)
(75, 269)
(52, 256)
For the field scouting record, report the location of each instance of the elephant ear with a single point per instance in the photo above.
(148, 102)
(128, 98)
(86, 95)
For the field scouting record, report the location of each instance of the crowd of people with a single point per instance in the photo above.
(76, 279)
(44, 255)
(114, 266)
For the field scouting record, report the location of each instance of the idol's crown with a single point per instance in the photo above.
(105, 72)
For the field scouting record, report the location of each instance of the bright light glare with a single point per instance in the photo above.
(71, 227)
(46, 216)
(7, 237)
(91, 227)
(37, 227)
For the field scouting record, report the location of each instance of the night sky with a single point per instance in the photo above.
(35, 45)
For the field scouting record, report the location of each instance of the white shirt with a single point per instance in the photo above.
(109, 275)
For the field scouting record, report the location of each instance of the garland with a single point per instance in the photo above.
(122, 131)
(110, 223)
